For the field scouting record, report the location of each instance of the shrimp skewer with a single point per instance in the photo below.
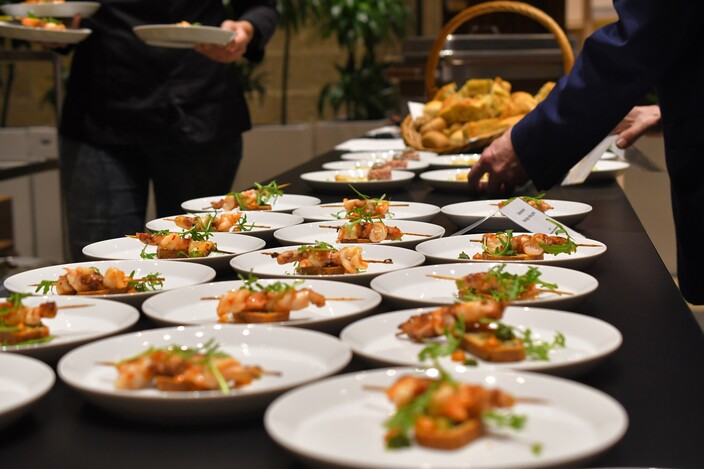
(252, 199)
(177, 368)
(89, 281)
(255, 302)
(435, 323)
(21, 324)
(369, 232)
(325, 259)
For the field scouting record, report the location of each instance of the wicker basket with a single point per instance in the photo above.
(410, 135)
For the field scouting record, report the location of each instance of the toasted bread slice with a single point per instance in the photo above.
(23, 335)
(516, 257)
(333, 270)
(450, 438)
(486, 346)
(259, 317)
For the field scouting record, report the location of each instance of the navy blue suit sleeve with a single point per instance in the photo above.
(618, 65)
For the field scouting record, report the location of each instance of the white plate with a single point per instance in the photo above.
(299, 355)
(609, 156)
(73, 327)
(185, 306)
(283, 203)
(415, 166)
(415, 211)
(53, 10)
(26, 33)
(413, 287)
(230, 244)
(311, 233)
(175, 274)
(23, 382)
(446, 179)
(325, 180)
(271, 220)
(587, 340)
(448, 249)
(264, 266)
(182, 37)
(465, 213)
(607, 169)
(376, 155)
(345, 426)
(461, 160)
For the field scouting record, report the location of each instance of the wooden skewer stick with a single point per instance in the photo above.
(252, 226)
(522, 400)
(264, 372)
(341, 298)
(372, 261)
(541, 290)
(75, 306)
(403, 233)
(342, 205)
(143, 279)
(578, 245)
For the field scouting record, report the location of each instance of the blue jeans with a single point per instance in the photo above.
(105, 187)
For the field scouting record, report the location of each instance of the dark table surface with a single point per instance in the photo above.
(657, 374)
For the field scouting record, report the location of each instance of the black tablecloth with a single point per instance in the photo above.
(656, 374)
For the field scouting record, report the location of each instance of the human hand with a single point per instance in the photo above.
(74, 24)
(500, 162)
(639, 121)
(233, 50)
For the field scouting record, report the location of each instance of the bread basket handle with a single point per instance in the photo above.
(486, 8)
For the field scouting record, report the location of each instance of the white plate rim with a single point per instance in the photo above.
(606, 330)
(196, 395)
(469, 268)
(297, 200)
(151, 306)
(280, 433)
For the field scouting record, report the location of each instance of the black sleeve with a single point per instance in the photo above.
(264, 17)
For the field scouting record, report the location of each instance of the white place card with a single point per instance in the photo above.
(415, 109)
(579, 172)
(533, 220)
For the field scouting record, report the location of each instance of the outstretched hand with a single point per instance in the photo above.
(641, 120)
(233, 50)
(500, 163)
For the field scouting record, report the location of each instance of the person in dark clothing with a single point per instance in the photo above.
(136, 114)
(653, 44)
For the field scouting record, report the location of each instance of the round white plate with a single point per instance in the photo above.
(415, 166)
(53, 10)
(299, 355)
(231, 245)
(325, 180)
(384, 155)
(264, 266)
(311, 233)
(265, 223)
(283, 203)
(23, 382)
(26, 33)
(462, 160)
(587, 340)
(465, 213)
(407, 211)
(182, 37)
(448, 249)
(175, 275)
(186, 307)
(345, 426)
(446, 179)
(80, 319)
(413, 287)
(607, 169)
